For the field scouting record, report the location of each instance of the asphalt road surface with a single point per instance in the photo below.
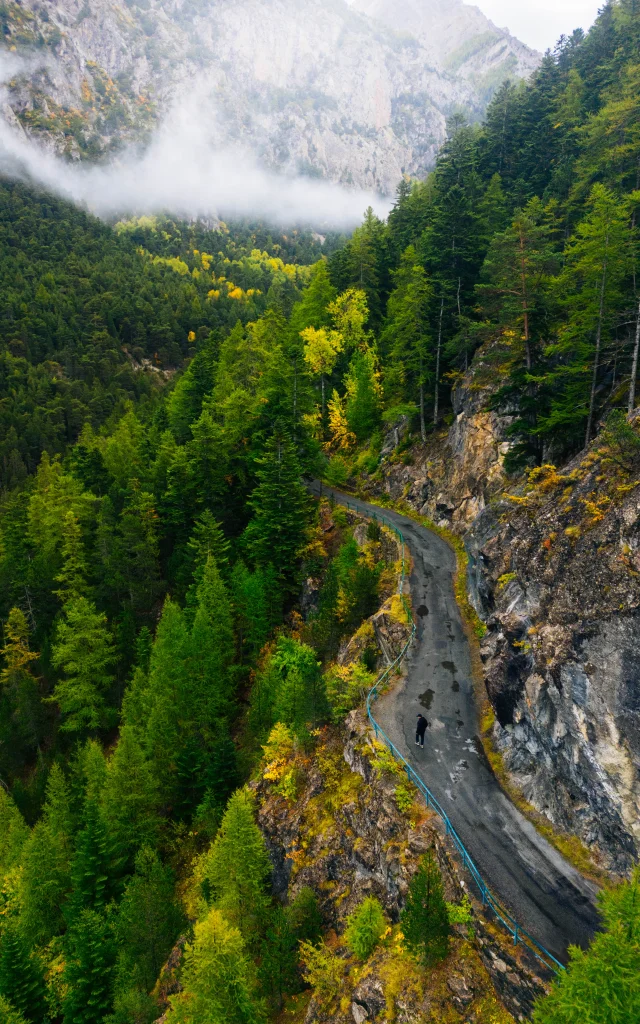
(545, 894)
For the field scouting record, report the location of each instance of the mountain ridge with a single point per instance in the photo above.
(314, 88)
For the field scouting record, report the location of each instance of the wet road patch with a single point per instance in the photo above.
(426, 699)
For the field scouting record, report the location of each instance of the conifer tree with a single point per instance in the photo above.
(212, 646)
(425, 921)
(21, 979)
(208, 539)
(281, 511)
(8, 1014)
(305, 917)
(83, 651)
(407, 327)
(312, 310)
(218, 983)
(13, 833)
(300, 699)
(91, 864)
(72, 578)
(251, 610)
(279, 958)
(45, 881)
(148, 922)
(365, 928)
(237, 867)
(17, 683)
(363, 404)
(90, 953)
(597, 260)
(129, 803)
(602, 984)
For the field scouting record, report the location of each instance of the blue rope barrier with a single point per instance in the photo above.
(519, 934)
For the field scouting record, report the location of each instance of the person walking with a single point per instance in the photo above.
(421, 728)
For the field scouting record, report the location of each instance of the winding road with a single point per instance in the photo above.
(547, 896)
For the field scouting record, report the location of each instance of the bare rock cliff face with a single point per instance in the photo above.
(312, 87)
(555, 574)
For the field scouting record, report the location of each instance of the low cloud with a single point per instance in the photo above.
(181, 173)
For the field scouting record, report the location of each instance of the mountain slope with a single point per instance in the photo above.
(314, 87)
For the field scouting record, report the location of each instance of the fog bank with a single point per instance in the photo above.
(181, 173)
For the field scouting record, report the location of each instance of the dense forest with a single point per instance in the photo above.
(164, 390)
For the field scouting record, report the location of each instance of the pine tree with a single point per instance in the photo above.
(45, 881)
(8, 1014)
(217, 979)
(602, 984)
(300, 699)
(72, 578)
(129, 804)
(281, 511)
(597, 260)
(363, 400)
(140, 567)
(91, 865)
(279, 958)
(21, 979)
(424, 921)
(237, 867)
(13, 834)
(90, 953)
(83, 650)
(17, 683)
(251, 611)
(212, 647)
(148, 922)
(312, 310)
(365, 928)
(304, 916)
(407, 327)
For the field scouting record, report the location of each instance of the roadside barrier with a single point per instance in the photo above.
(488, 899)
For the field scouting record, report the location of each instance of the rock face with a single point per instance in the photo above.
(558, 581)
(453, 477)
(313, 87)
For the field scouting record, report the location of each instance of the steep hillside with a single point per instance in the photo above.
(460, 39)
(312, 87)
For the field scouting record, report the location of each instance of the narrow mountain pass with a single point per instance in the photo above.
(547, 896)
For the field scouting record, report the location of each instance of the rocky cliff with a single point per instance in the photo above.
(555, 574)
(313, 87)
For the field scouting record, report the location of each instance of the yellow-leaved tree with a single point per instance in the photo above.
(321, 350)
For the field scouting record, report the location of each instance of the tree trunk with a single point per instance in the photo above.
(525, 303)
(596, 357)
(634, 366)
(423, 429)
(323, 408)
(438, 351)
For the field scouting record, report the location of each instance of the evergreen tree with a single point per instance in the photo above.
(13, 834)
(365, 928)
(237, 867)
(212, 646)
(300, 699)
(72, 578)
(90, 953)
(18, 686)
(363, 405)
(21, 979)
(91, 864)
(8, 1014)
(312, 310)
(424, 921)
(304, 916)
(281, 511)
(597, 260)
(45, 881)
(252, 618)
(129, 804)
(140, 567)
(218, 984)
(83, 650)
(279, 958)
(148, 922)
(407, 327)
(602, 984)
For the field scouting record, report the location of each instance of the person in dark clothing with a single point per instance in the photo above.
(421, 728)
